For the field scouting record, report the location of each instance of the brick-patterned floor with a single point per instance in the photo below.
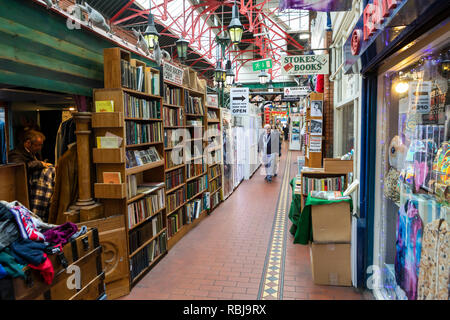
(223, 257)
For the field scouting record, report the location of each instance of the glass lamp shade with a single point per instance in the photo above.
(235, 27)
(270, 87)
(230, 77)
(182, 45)
(263, 77)
(151, 35)
(219, 73)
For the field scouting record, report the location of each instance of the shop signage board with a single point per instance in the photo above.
(262, 64)
(419, 96)
(212, 100)
(173, 73)
(296, 91)
(305, 65)
(315, 144)
(239, 101)
(376, 16)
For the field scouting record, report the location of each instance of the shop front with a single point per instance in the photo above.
(403, 243)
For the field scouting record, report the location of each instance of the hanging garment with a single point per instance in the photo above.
(408, 248)
(66, 186)
(2, 143)
(42, 184)
(64, 137)
(434, 262)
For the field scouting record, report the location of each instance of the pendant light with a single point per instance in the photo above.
(235, 28)
(151, 35)
(219, 72)
(263, 76)
(229, 73)
(270, 86)
(182, 44)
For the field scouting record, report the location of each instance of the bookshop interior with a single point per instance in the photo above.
(173, 150)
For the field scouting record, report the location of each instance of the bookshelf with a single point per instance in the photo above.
(214, 152)
(313, 157)
(186, 182)
(136, 157)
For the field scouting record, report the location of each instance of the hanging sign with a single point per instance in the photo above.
(173, 73)
(239, 101)
(305, 64)
(419, 96)
(262, 64)
(212, 100)
(296, 91)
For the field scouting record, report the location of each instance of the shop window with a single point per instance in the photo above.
(412, 166)
(348, 136)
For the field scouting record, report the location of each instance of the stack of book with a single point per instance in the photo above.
(212, 115)
(193, 170)
(215, 199)
(137, 133)
(174, 178)
(141, 108)
(141, 157)
(172, 117)
(172, 95)
(193, 209)
(322, 184)
(215, 184)
(174, 158)
(196, 123)
(144, 188)
(175, 221)
(141, 260)
(193, 105)
(175, 199)
(142, 209)
(196, 186)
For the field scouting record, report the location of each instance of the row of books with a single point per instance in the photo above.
(193, 170)
(172, 117)
(137, 133)
(174, 158)
(196, 186)
(193, 209)
(176, 221)
(175, 199)
(140, 157)
(193, 105)
(142, 209)
(145, 232)
(213, 128)
(215, 185)
(214, 172)
(215, 199)
(322, 184)
(141, 260)
(172, 138)
(141, 108)
(139, 78)
(174, 178)
(172, 95)
(212, 115)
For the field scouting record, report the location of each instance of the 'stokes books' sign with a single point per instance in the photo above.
(173, 73)
(304, 65)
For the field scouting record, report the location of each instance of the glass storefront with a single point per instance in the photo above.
(412, 167)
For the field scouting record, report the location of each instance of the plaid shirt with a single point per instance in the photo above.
(42, 183)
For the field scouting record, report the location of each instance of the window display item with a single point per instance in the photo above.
(408, 245)
(397, 153)
(434, 269)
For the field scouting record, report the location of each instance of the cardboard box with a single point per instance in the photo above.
(330, 264)
(331, 222)
(337, 165)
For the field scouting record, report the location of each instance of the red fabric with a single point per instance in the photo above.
(46, 269)
(319, 83)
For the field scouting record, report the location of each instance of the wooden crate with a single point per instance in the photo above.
(337, 165)
(13, 183)
(110, 190)
(107, 119)
(106, 155)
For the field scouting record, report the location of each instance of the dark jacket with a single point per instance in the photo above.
(21, 155)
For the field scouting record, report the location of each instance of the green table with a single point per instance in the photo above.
(301, 227)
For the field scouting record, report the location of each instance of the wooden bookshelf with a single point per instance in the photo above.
(215, 155)
(138, 120)
(313, 159)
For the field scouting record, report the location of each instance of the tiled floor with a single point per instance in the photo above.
(224, 257)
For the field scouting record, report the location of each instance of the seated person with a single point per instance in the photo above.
(40, 174)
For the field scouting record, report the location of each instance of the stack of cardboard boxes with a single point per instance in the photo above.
(331, 246)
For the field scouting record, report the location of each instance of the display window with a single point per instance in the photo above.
(413, 174)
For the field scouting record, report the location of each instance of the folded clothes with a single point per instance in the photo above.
(3, 272)
(61, 234)
(26, 224)
(46, 270)
(26, 251)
